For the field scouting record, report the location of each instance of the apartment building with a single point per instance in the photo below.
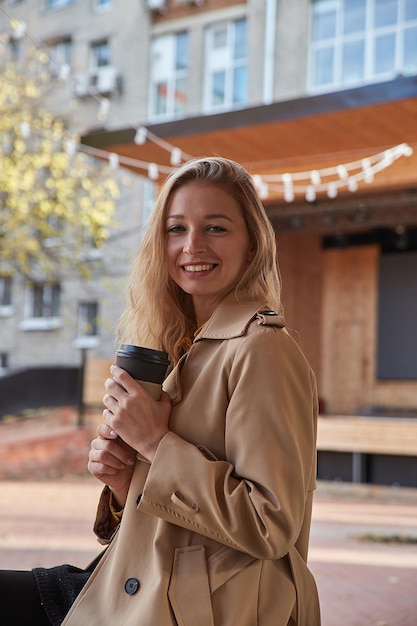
(318, 98)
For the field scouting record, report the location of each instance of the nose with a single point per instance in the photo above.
(194, 243)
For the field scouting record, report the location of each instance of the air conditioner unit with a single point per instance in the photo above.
(102, 80)
(156, 5)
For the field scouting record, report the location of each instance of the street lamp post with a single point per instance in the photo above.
(83, 344)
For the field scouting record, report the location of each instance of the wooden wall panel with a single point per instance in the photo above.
(348, 320)
(349, 332)
(300, 260)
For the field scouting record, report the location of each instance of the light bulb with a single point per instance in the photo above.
(141, 136)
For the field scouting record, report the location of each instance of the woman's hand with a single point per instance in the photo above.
(111, 460)
(134, 415)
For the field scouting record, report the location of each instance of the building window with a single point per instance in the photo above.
(57, 4)
(354, 42)
(169, 74)
(5, 291)
(226, 66)
(60, 56)
(100, 54)
(6, 308)
(44, 300)
(42, 306)
(88, 319)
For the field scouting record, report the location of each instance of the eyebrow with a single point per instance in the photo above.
(213, 216)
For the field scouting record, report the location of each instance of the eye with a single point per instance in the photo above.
(216, 229)
(176, 228)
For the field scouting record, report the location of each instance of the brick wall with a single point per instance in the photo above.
(43, 447)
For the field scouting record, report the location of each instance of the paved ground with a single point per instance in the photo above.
(360, 583)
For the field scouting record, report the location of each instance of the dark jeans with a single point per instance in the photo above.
(20, 603)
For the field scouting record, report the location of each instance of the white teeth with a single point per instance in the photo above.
(197, 268)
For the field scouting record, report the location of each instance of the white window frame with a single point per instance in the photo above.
(222, 60)
(95, 59)
(167, 73)
(50, 299)
(369, 37)
(86, 321)
(60, 53)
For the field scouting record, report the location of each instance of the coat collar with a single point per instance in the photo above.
(231, 319)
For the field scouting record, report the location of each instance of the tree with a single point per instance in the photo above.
(57, 204)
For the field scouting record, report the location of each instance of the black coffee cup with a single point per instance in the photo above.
(147, 366)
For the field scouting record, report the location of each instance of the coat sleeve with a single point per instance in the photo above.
(254, 500)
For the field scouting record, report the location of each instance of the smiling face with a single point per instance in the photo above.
(207, 244)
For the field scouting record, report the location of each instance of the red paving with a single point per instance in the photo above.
(360, 583)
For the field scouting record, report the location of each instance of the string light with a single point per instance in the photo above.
(114, 160)
(288, 194)
(342, 175)
(310, 193)
(352, 185)
(153, 171)
(141, 136)
(176, 156)
(315, 177)
(342, 171)
(332, 190)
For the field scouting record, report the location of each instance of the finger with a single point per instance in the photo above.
(123, 380)
(115, 448)
(115, 458)
(105, 431)
(114, 389)
(99, 470)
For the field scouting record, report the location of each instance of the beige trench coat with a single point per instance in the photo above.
(215, 531)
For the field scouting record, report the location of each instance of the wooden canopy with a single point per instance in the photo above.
(301, 135)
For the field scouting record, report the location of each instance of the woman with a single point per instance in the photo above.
(213, 483)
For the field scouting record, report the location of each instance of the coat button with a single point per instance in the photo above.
(131, 586)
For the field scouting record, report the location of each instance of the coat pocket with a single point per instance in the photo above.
(189, 591)
(224, 564)
(194, 578)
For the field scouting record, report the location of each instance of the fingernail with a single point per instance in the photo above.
(113, 433)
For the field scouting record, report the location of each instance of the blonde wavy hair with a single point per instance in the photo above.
(159, 314)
